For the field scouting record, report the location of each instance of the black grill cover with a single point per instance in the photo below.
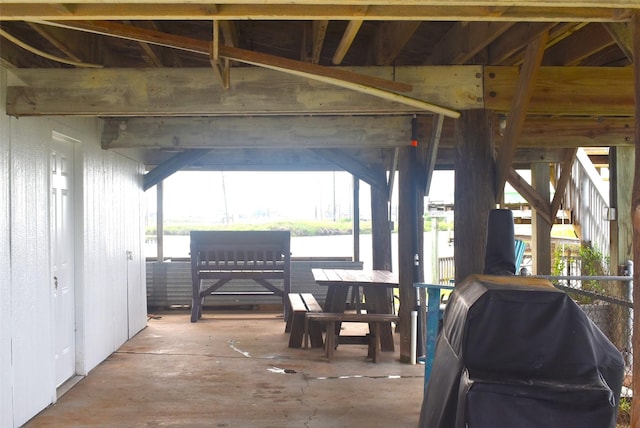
(517, 352)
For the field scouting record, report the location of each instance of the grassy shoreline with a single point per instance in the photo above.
(297, 227)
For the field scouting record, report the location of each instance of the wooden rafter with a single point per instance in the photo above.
(621, 32)
(464, 40)
(389, 40)
(561, 185)
(584, 43)
(519, 105)
(347, 39)
(220, 65)
(515, 41)
(56, 38)
(202, 47)
(319, 31)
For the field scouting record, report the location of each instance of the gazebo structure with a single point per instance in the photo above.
(370, 87)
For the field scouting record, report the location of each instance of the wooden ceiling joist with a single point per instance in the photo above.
(390, 39)
(393, 10)
(347, 39)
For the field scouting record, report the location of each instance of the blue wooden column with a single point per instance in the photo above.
(433, 321)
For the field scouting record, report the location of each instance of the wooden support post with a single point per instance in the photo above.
(381, 242)
(635, 219)
(474, 191)
(159, 222)
(621, 164)
(540, 226)
(410, 243)
(380, 228)
(356, 219)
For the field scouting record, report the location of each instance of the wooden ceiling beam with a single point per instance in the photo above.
(481, 10)
(564, 90)
(346, 131)
(254, 91)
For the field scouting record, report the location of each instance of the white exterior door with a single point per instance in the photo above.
(62, 257)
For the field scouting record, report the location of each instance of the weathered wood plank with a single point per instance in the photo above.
(347, 131)
(597, 91)
(479, 10)
(254, 91)
(592, 91)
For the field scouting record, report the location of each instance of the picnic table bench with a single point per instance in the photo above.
(332, 319)
(218, 257)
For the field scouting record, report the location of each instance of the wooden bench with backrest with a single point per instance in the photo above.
(331, 319)
(218, 257)
(299, 305)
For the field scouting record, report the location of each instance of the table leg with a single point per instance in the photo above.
(378, 302)
(337, 303)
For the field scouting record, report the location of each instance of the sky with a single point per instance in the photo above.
(213, 196)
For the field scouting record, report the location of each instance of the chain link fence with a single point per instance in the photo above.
(607, 301)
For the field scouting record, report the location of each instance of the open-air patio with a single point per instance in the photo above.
(234, 369)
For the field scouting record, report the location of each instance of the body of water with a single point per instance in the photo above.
(322, 246)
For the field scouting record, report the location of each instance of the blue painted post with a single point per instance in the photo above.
(433, 321)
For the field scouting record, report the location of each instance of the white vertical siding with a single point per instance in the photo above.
(6, 384)
(112, 226)
(110, 289)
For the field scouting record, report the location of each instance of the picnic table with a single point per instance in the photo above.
(376, 285)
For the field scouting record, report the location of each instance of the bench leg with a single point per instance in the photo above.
(297, 329)
(375, 341)
(330, 340)
(196, 312)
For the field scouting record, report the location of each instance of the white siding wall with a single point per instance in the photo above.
(6, 400)
(112, 226)
(110, 289)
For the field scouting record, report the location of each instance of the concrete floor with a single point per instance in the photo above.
(235, 369)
